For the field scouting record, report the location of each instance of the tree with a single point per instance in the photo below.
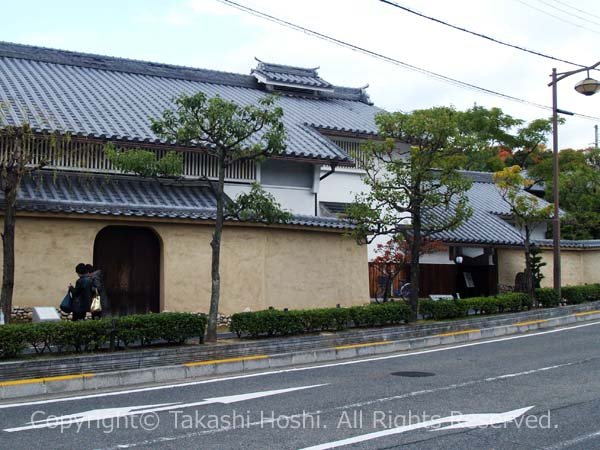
(525, 211)
(418, 193)
(395, 255)
(230, 133)
(579, 190)
(17, 144)
(537, 262)
(257, 206)
(499, 139)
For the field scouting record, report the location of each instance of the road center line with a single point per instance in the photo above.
(297, 369)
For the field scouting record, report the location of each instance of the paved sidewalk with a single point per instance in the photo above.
(89, 372)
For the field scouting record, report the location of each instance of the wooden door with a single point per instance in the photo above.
(130, 260)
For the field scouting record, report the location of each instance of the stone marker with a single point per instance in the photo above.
(45, 314)
(1, 318)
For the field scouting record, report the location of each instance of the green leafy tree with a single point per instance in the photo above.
(498, 139)
(230, 133)
(17, 160)
(579, 190)
(418, 193)
(257, 205)
(526, 212)
(537, 262)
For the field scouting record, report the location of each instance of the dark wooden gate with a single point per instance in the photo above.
(130, 259)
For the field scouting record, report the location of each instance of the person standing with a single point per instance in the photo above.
(97, 277)
(81, 294)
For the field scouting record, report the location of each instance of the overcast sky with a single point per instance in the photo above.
(208, 34)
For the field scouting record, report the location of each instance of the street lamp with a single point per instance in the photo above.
(589, 86)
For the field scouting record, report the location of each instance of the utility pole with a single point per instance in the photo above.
(595, 136)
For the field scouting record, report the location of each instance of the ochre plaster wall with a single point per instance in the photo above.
(260, 267)
(577, 266)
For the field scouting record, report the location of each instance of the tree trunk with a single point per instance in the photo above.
(415, 249)
(8, 246)
(386, 290)
(211, 334)
(528, 271)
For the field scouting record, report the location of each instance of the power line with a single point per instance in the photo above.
(474, 33)
(569, 13)
(389, 59)
(576, 9)
(557, 17)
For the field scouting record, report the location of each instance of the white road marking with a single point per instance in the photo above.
(572, 442)
(456, 385)
(455, 421)
(351, 406)
(108, 413)
(294, 369)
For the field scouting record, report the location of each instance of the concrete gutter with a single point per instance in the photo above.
(247, 363)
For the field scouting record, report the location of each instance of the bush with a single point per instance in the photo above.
(443, 309)
(580, 294)
(91, 335)
(547, 297)
(274, 322)
(172, 327)
(373, 315)
(454, 309)
(12, 340)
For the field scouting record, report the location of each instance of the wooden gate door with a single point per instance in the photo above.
(130, 260)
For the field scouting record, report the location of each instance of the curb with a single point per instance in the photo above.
(200, 369)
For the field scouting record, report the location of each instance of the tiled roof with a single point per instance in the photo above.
(278, 74)
(566, 243)
(129, 196)
(114, 98)
(486, 225)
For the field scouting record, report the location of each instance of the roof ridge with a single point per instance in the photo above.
(103, 62)
(151, 68)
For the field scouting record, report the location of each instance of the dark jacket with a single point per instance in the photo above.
(97, 278)
(82, 294)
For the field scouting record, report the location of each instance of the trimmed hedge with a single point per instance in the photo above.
(453, 309)
(573, 295)
(274, 322)
(89, 335)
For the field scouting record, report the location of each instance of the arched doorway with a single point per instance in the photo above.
(130, 260)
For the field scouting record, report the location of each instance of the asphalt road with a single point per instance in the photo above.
(534, 391)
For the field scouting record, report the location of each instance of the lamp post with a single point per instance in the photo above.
(587, 87)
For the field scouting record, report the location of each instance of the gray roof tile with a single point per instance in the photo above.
(486, 225)
(298, 76)
(114, 98)
(122, 195)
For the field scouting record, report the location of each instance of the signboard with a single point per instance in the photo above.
(468, 279)
(44, 314)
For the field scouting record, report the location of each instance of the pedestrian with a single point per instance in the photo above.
(81, 294)
(97, 277)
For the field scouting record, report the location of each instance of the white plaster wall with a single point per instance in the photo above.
(341, 186)
(296, 200)
(436, 258)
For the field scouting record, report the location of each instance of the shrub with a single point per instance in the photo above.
(12, 340)
(85, 335)
(443, 309)
(515, 301)
(91, 335)
(373, 315)
(547, 297)
(580, 294)
(172, 327)
(453, 309)
(275, 322)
